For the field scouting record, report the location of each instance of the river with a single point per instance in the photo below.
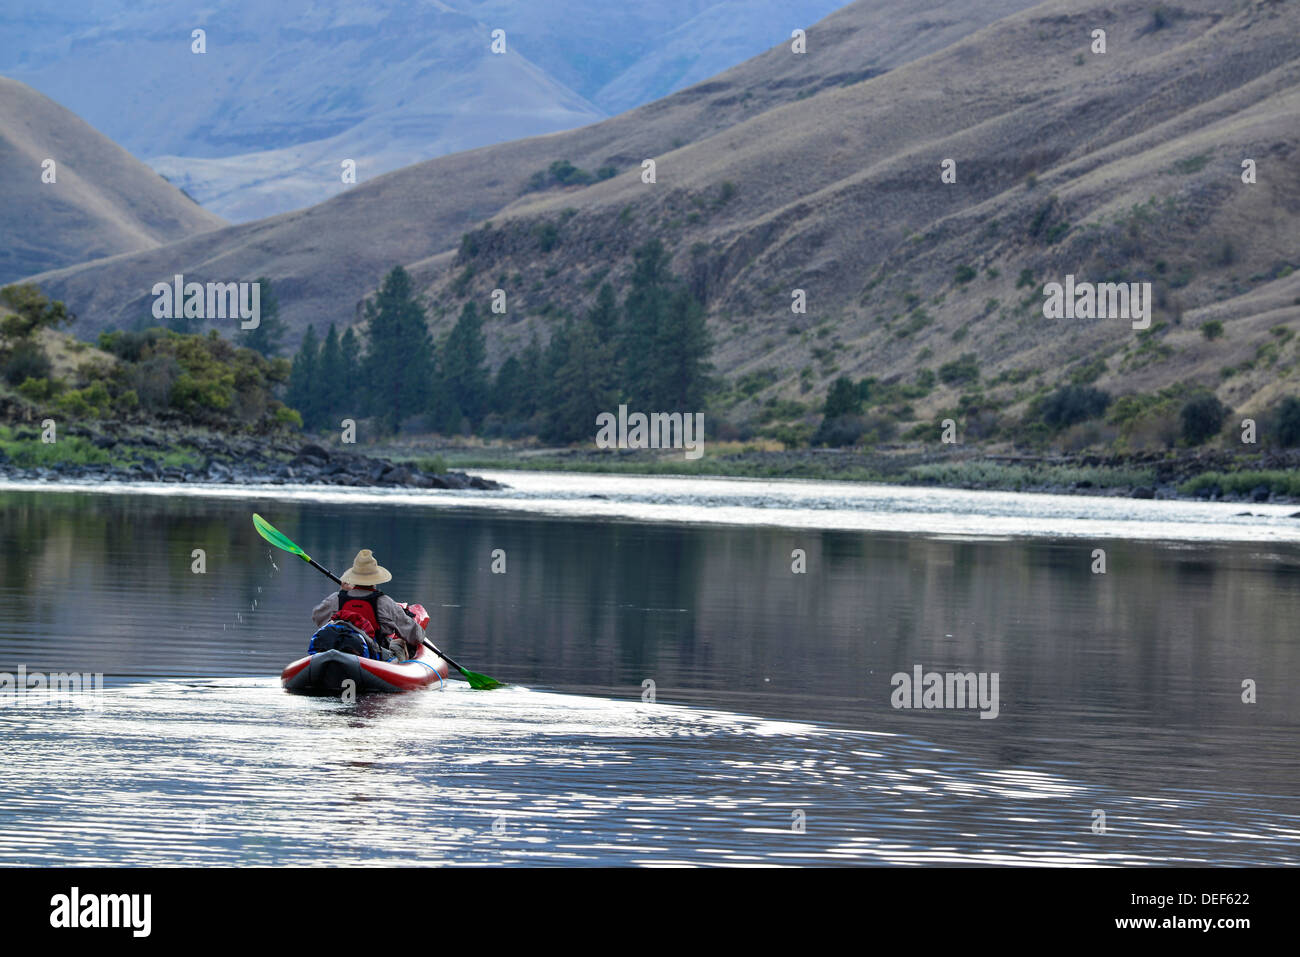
(701, 672)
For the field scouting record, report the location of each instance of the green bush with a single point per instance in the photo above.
(288, 417)
(842, 399)
(1202, 418)
(792, 436)
(1286, 422)
(82, 403)
(1089, 372)
(845, 430)
(1243, 483)
(436, 464)
(566, 174)
(39, 390)
(27, 361)
(548, 235)
(70, 450)
(1072, 404)
(131, 346)
(754, 382)
(960, 371)
(1212, 329)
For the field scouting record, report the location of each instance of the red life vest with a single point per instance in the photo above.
(360, 610)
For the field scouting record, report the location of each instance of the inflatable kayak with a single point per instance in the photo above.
(325, 672)
(340, 653)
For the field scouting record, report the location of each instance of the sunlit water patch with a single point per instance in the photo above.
(224, 771)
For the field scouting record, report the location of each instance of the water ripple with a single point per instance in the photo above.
(225, 771)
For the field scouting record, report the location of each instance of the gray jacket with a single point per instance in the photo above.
(391, 616)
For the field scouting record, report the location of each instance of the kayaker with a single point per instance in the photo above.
(370, 609)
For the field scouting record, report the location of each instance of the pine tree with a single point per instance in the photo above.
(532, 367)
(604, 315)
(303, 388)
(397, 371)
(680, 377)
(464, 375)
(331, 389)
(584, 384)
(643, 313)
(268, 336)
(552, 393)
(350, 347)
(507, 397)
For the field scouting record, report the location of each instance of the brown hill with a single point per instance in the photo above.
(326, 258)
(1122, 166)
(103, 201)
(812, 172)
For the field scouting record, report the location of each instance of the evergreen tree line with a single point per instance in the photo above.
(650, 351)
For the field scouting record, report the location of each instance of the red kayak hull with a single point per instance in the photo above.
(328, 673)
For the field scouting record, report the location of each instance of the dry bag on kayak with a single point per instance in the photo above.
(341, 635)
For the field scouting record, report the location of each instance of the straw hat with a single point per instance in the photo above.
(366, 571)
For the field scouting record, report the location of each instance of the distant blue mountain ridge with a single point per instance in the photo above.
(262, 122)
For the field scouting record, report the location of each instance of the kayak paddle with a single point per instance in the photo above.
(280, 540)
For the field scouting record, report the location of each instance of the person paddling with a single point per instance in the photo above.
(370, 609)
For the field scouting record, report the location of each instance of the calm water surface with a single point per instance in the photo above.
(1119, 692)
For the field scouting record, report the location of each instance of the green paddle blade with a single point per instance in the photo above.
(481, 682)
(276, 537)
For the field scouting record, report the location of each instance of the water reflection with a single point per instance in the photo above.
(1120, 692)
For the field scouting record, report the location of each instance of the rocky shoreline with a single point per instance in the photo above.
(142, 456)
(118, 452)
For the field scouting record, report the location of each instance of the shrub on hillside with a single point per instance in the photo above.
(847, 430)
(1087, 434)
(92, 401)
(26, 361)
(1072, 404)
(39, 390)
(1286, 422)
(30, 312)
(131, 346)
(1089, 372)
(960, 371)
(840, 431)
(842, 399)
(1201, 418)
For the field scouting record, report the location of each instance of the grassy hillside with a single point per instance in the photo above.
(103, 201)
(1123, 166)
